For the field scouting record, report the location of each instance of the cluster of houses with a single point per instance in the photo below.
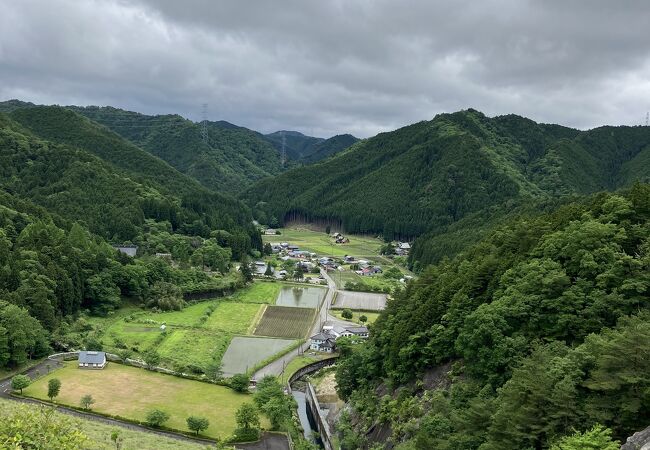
(325, 341)
(328, 263)
(291, 251)
(366, 269)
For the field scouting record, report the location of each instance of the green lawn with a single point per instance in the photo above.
(99, 434)
(259, 292)
(372, 316)
(320, 243)
(131, 392)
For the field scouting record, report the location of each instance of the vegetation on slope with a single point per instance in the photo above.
(424, 178)
(32, 426)
(540, 329)
(113, 195)
(309, 149)
(231, 159)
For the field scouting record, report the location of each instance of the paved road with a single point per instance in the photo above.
(276, 367)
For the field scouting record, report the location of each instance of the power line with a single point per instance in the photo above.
(204, 123)
(283, 153)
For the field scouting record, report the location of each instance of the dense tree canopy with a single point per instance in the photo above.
(545, 323)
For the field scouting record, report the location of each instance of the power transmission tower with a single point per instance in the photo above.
(204, 123)
(647, 118)
(283, 153)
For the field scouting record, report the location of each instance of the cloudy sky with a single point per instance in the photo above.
(328, 67)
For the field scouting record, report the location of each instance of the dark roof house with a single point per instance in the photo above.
(92, 360)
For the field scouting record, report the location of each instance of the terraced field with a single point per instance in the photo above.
(285, 321)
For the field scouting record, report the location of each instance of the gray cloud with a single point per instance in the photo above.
(327, 67)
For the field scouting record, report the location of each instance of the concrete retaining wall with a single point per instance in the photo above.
(321, 424)
(311, 368)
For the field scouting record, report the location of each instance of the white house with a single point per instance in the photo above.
(325, 341)
(92, 360)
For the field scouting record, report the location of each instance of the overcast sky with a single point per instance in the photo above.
(328, 67)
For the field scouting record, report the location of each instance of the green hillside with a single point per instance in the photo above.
(78, 170)
(309, 149)
(231, 160)
(538, 331)
(328, 147)
(424, 178)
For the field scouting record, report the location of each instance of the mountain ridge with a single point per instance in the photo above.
(424, 177)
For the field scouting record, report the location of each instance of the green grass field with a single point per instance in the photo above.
(131, 392)
(193, 347)
(320, 243)
(234, 318)
(188, 316)
(259, 292)
(196, 334)
(99, 434)
(372, 316)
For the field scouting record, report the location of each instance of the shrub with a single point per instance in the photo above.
(157, 417)
(240, 382)
(197, 424)
(20, 382)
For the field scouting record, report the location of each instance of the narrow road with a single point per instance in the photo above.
(276, 367)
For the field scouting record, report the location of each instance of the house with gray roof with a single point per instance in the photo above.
(92, 360)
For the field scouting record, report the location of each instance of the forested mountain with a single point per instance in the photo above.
(328, 147)
(308, 149)
(232, 158)
(82, 172)
(424, 178)
(540, 330)
(68, 187)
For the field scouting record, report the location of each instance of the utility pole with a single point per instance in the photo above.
(647, 118)
(204, 123)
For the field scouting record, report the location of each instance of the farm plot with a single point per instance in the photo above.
(233, 317)
(258, 292)
(360, 300)
(245, 352)
(188, 316)
(132, 335)
(301, 297)
(193, 348)
(285, 321)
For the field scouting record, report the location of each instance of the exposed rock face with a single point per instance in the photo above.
(638, 441)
